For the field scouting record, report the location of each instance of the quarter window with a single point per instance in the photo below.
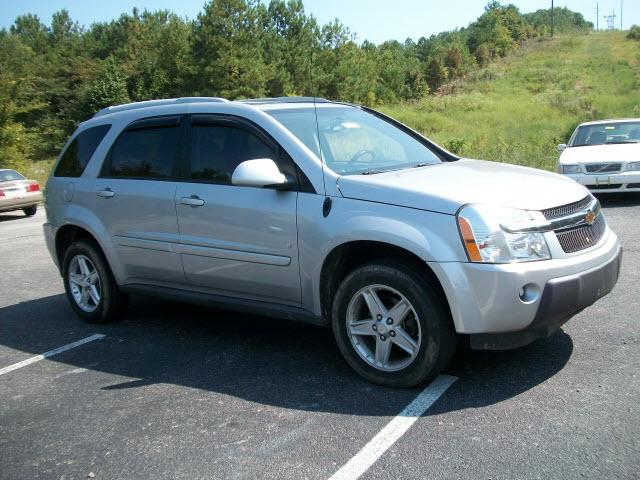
(148, 153)
(76, 157)
(216, 151)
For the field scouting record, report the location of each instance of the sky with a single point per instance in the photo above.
(374, 20)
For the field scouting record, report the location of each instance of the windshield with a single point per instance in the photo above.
(9, 175)
(354, 141)
(606, 133)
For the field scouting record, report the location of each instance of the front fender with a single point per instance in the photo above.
(431, 236)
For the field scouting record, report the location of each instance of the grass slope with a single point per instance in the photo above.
(518, 109)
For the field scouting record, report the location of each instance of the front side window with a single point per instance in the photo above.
(76, 157)
(352, 141)
(606, 133)
(146, 153)
(217, 150)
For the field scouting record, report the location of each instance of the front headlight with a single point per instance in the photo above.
(633, 166)
(570, 169)
(487, 242)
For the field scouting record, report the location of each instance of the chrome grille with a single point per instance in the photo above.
(603, 167)
(584, 236)
(568, 209)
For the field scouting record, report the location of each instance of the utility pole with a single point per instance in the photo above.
(597, 17)
(621, 2)
(551, 18)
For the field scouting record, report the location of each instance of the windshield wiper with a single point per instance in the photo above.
(621, 141)
(373, 172)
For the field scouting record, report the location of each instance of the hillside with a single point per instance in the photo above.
(520, 107)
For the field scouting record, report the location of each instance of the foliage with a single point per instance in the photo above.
(634, 32)
(109, 88)
(54, 76)
(564, 21)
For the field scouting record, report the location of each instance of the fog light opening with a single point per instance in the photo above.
(529, 293)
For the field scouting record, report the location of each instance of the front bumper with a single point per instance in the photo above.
(562, 298)
(612, 182)
(485, 298)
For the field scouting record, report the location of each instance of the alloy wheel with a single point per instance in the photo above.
(84, 283)
(383, 328)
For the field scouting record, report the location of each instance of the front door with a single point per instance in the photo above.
(235, 241)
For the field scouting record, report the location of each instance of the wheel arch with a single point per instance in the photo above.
(73, 232)
(348, 256)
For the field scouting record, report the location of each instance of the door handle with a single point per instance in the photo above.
(193, 201)
(106, 193)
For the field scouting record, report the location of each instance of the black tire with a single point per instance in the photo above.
(30, 211)
(438, 334)
(113, 302)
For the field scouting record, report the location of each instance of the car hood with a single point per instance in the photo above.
(446, 186)
(618, 152)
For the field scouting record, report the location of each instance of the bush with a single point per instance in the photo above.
(634, 32)
(455, 145)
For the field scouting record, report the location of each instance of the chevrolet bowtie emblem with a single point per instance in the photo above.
(590, 217)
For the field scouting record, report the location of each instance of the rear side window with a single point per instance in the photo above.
(145, 153)
(77, 155)
(216, 151)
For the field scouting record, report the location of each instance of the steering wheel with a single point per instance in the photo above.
(361, 154)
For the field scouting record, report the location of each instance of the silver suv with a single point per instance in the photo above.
(327, 213)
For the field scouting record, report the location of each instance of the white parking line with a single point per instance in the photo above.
(50, 353)
(386, 437)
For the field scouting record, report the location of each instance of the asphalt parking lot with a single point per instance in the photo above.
(176, 391)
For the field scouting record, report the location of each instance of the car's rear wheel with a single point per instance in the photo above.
(30, 211)
(392, 324)
(89, 284)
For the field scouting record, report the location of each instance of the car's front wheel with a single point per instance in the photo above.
(89, 284)
(392, 325)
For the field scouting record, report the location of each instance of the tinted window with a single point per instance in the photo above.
(145, 153)
(217, 150)
(77, 155)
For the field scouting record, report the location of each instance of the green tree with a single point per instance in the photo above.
(110, 88)
(227, 50)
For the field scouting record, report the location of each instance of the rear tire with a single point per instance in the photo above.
(89, 284)
(30, 211)
(414, 346)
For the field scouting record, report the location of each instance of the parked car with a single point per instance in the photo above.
(604, 155)
(18, 193)
(327, 213)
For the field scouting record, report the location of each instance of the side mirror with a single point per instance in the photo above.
(561, 147)
(262, 172)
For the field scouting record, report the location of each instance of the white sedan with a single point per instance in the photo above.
(604, 155)
(18, 193)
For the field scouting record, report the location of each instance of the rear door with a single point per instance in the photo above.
(236, 241)
(135, 199)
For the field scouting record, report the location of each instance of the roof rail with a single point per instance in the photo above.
(155, 103)
(285, 100)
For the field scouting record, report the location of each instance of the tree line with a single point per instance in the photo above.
(54, 76)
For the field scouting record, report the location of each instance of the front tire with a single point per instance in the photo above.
(392, 325)
(91, 289)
